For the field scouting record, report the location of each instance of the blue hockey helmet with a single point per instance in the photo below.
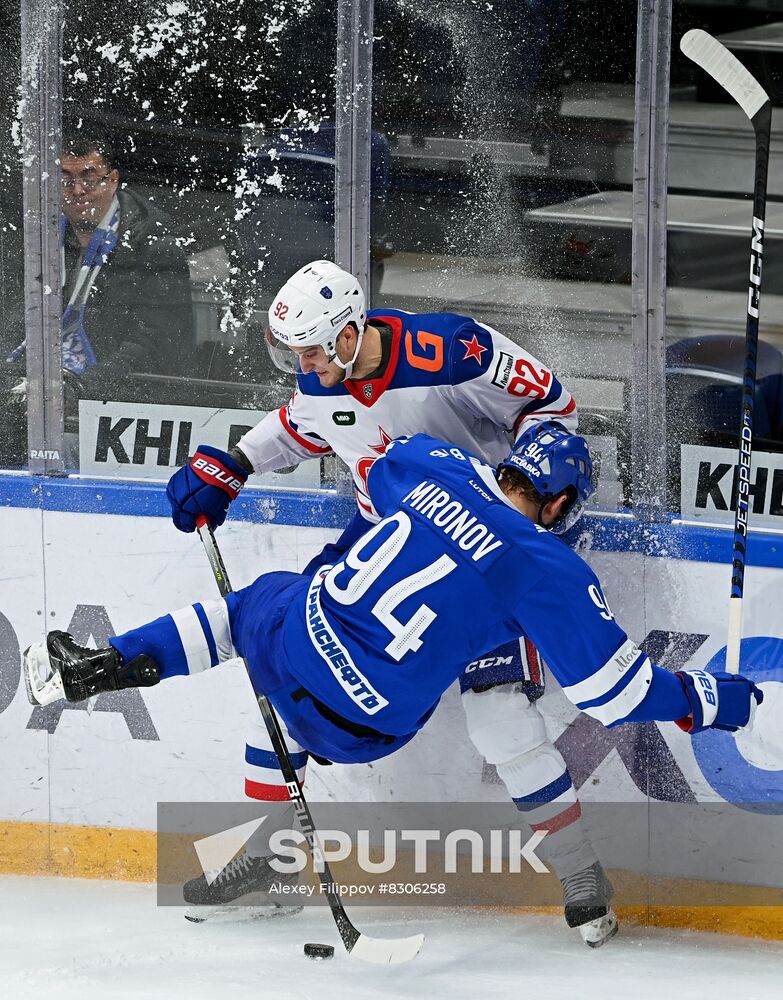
(554, 460)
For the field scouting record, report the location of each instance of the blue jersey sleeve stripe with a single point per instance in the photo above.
(193, 639)
(611, 712)
(612, 693)
(210, 638)
(217, 615)
(603, 680)
(545, 794)
(268, 759)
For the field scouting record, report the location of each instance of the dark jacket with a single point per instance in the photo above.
(139, 313)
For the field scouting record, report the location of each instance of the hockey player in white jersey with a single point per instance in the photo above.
(362, 380)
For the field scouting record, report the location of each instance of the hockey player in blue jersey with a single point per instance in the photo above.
(363, 379)
(355, 657)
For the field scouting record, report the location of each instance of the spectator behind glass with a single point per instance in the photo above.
(126, 290)
(127, 303)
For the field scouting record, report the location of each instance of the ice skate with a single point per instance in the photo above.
(246, 878)
(42, 683)
(238, 914)
(586, 898)
(60, 668)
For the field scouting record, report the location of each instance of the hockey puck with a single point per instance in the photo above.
(319, 951)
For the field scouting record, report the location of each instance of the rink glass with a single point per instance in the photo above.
(507, 126)
(710, 186)
(228, 157)
(492, 175)
(13, 412)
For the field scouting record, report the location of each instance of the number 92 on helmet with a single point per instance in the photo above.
(311, 310)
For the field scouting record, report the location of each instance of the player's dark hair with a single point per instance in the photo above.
(82, 144)
(519, 482)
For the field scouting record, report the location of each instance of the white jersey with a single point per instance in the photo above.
(447, 376)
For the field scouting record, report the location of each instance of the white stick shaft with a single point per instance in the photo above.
(734, 636)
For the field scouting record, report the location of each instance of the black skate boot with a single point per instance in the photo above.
(249, 883)
(586, 898)
(61, 668)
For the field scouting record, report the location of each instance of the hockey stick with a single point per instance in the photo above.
(728, 71)
(381, 951)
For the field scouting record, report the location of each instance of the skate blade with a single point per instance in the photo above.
(43, 686)
(220, 914)
(598, 932)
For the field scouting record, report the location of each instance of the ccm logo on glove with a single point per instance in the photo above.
(217, 475)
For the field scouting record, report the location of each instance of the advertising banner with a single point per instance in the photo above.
(151, 440)
(709, 486)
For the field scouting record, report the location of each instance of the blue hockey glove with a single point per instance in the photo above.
(718, 701)
(206, 486)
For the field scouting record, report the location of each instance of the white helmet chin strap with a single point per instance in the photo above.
(347, 366)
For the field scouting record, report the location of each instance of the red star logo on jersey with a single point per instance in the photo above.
(386, 440)
(473, 349)
(364, 465)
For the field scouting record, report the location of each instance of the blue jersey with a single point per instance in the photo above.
(454, 569)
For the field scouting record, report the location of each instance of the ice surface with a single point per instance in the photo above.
(67, 938)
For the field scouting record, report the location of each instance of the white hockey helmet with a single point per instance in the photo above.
(311, 309)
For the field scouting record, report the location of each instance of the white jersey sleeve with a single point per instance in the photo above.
(514, 391)
(284, 437)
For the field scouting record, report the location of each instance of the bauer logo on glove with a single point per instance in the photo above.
(206, 486)
(217, 475)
